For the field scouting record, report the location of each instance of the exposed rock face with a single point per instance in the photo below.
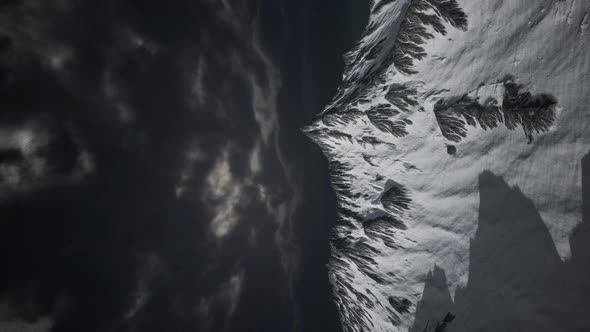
(445, 106)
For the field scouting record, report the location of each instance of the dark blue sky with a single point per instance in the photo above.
(310, 50)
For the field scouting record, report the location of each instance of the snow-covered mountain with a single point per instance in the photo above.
(442, 101)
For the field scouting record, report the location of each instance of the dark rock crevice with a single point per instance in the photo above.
(533, 113)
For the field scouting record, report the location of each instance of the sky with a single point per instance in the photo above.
(153, 175)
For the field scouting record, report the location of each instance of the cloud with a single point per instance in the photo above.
(255, 166)
(198, 87)
(170, 117)
(149, 270)
(42, 325)
(224, 193)
(225, 301)
(10, 320)
(37, 153)
(192, 157)
(265, 88)
(231, 293)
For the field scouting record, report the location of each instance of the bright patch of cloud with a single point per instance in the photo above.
(224, 192)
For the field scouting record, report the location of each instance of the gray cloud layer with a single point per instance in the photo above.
(175, 199)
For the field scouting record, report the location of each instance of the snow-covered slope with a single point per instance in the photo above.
(435, 93)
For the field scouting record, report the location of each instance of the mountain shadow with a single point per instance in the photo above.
(436, 301)
(517, 281)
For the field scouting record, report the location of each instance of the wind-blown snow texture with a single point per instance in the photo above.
(435, 93)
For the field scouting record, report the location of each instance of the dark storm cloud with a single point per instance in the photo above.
(142, 137)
